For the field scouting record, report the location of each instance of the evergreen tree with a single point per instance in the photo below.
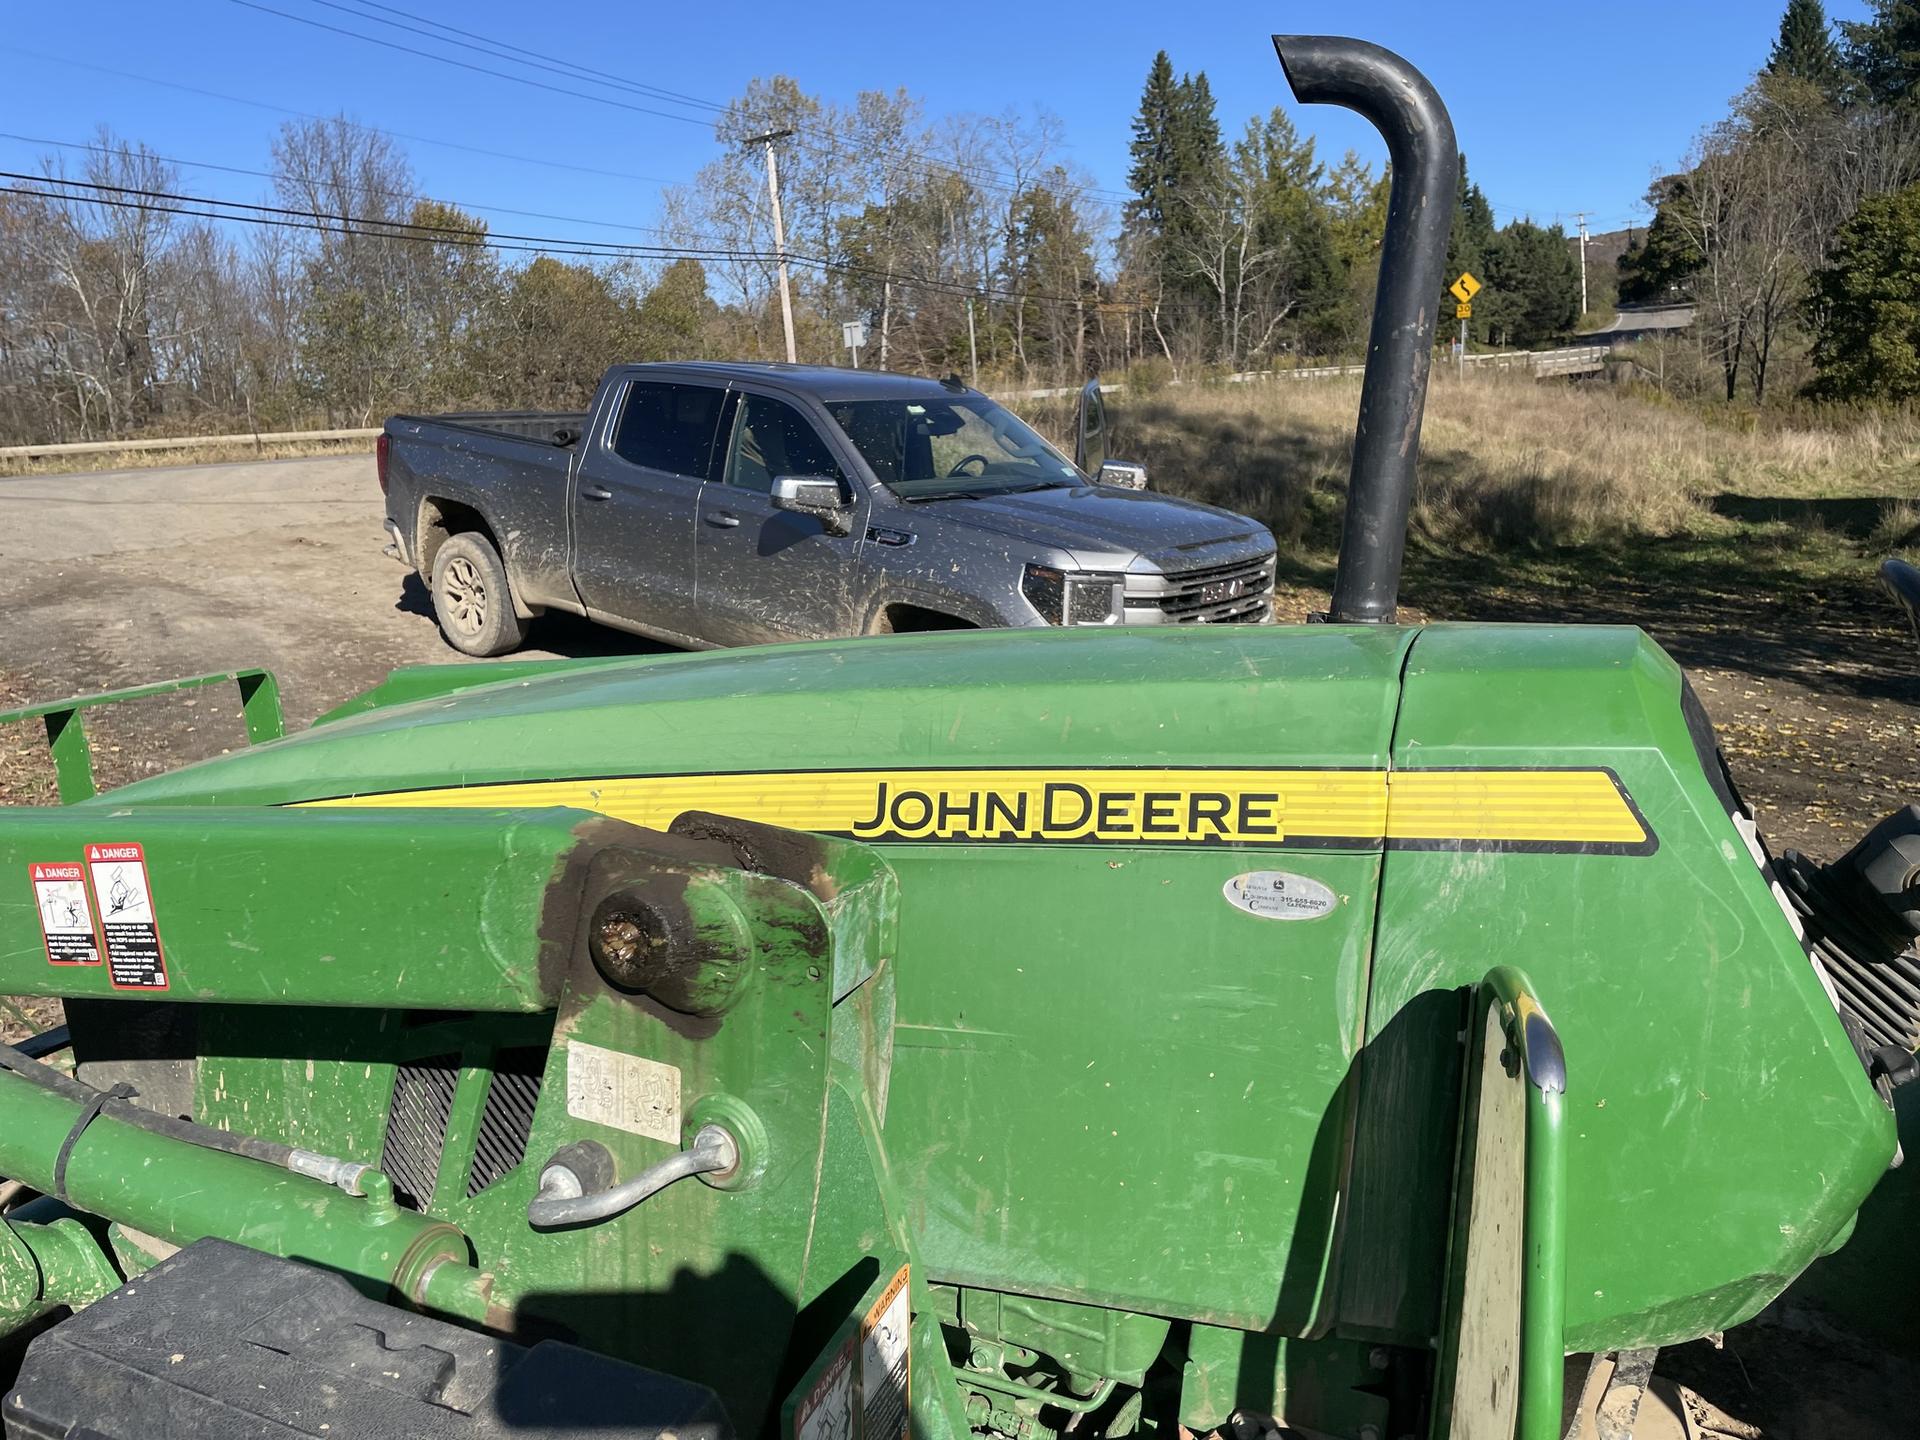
(1292, 221)
(1805, 49)
(1177, 161)
(1533, 284)
(1883, 53)
(1155, 128)
(1661, 267)
(1866, 304)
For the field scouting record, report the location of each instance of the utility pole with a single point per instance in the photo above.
(779, 232)
(973, 352)
(1581, 216)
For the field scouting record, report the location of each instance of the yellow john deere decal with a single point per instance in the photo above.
(1555, 810)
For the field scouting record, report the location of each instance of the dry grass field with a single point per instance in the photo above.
(1747, 545)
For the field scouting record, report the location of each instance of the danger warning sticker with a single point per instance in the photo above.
(66, 919)
(883, 1363)
(825, 1412)
(128, 928)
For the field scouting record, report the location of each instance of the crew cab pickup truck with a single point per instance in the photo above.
(735, 504)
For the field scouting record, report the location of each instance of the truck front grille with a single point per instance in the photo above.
(1240, 592)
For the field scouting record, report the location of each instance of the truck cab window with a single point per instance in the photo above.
(774, 439)
(669, 427)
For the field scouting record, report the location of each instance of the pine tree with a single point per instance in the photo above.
(1805, 49)
(1866, 305)
(1154, 131)
(1883, 53)
(1533, 283)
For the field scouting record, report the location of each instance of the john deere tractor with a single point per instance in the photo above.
(1326, 1030)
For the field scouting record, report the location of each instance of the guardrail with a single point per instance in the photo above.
(258, 439)
(1572, 360)
(1568, 360)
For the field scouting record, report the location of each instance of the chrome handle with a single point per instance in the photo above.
(594, 492)
(724, 519)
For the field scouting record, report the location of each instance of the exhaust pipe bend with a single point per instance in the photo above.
(1404, 107)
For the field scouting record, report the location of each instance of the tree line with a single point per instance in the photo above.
(131, 303)
(1793, 226)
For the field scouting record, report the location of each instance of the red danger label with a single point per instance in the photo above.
(66, 917)
(128, 928)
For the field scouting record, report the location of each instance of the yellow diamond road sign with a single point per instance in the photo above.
(1465, 288)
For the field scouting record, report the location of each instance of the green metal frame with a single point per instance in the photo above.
(1523, 1372)
(67, 733)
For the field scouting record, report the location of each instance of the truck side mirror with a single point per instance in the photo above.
(1123, 473)
(817, 495)
(1090, 430)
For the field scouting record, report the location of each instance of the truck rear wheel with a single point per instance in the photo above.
(471, 598)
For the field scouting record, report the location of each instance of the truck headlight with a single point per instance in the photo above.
(1064, 597)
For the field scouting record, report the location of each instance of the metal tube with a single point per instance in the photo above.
(1404, 107)
(561, 1203)
(182, 1192)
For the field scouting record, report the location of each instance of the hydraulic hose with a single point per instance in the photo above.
(560, 1201)
(347, 1175)
(179, 1190)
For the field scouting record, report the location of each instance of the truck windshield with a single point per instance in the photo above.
(935, 448)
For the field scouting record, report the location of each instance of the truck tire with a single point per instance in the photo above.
(471, 598)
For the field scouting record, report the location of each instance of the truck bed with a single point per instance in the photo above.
(541, 427)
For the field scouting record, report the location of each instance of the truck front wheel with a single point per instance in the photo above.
(471, 599)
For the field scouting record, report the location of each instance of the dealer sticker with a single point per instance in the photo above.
(66, 918)
(128, 928)
(1280, 895)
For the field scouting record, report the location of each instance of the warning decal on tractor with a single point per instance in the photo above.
(1575, 810)
(66, 919)
(884, 1362)
(128, 928)
(825, 1412)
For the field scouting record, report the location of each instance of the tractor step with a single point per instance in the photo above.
(223, 1341)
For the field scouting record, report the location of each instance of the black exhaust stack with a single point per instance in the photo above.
(1404, 108)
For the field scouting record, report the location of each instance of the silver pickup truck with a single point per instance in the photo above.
(710, 504)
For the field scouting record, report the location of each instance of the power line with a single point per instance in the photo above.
(541, 161)
(286, 217)
(390, 228)
(465, 65)
(972, 174)
(507, 50)
(376, 190)
(502, 50)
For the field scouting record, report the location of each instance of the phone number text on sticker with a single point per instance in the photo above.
(1280, 895)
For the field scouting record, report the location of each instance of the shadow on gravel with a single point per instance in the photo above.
(568, 636)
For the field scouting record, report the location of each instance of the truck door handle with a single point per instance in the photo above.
(725, 519)
(594, 492)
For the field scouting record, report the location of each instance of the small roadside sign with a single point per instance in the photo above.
(1465, 288)
(1463, 311)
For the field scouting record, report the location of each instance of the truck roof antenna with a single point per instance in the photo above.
(1409, 114)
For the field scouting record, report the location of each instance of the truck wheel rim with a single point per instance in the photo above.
(466, 596)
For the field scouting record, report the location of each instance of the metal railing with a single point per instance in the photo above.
(257, 439)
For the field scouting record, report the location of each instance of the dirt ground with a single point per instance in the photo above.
(116, 579)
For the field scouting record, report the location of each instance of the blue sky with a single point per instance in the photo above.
(1559, 107)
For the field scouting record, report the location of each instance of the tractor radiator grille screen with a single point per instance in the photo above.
(507, 1118)
(1883, 998)
(417, 1127)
